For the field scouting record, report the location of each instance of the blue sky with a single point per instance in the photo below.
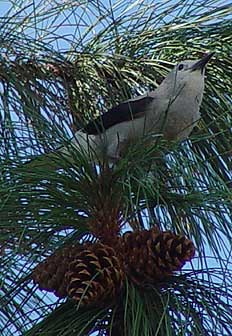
(65, 42)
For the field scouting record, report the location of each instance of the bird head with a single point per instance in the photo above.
(188, 75)
(188, 68)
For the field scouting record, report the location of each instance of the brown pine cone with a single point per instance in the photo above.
(96, 275)
(50, 274)
(152, 256)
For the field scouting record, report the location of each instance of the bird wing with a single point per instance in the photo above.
(126, 111)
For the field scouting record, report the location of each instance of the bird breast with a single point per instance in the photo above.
(175, 118)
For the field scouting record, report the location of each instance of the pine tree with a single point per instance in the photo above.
(140, 248)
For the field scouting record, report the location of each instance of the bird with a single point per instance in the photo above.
(171, 111)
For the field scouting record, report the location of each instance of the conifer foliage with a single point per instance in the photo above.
(141, 247)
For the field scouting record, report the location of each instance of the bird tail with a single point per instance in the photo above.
(80, 144)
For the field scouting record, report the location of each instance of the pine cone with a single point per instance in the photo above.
(50, 274)
(152, 256)
(96, 275)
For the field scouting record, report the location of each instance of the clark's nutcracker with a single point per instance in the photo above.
(171, 111)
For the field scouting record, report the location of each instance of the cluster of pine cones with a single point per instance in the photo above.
(95, 272)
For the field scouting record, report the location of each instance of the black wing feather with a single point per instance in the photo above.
(126, 111)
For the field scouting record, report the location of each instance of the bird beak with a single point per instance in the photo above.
(200, 65)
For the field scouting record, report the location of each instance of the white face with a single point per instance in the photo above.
(183, 71)
(184, 77)
(185, 66)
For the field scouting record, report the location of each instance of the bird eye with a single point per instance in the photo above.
(181, 66)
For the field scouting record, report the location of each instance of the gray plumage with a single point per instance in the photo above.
(171, 110)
